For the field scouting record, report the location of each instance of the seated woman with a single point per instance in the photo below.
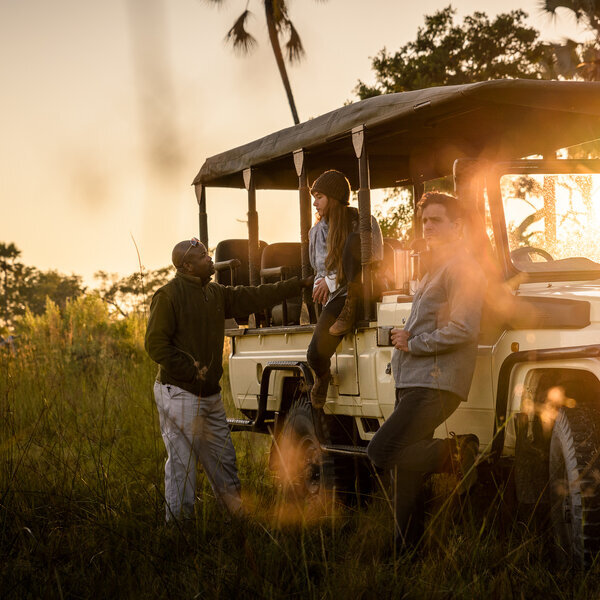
(334, 246)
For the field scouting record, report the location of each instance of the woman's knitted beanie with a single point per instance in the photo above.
(333, 184)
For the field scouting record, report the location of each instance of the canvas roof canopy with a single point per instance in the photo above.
(417, 135)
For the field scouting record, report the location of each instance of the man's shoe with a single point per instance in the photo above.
(347, 317)
(318, 394)
(464, 450)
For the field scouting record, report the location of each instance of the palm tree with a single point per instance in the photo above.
(279, 25)
(580, 59)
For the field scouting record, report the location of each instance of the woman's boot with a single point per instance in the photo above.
(347, 317)
(318, 394)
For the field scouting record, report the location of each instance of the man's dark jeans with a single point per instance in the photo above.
(405, 443)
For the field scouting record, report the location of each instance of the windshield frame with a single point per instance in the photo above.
(532, 167)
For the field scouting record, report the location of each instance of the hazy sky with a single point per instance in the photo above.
(108, 110)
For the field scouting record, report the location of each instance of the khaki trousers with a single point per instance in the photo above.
(195, 429)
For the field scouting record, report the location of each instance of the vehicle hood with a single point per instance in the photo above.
(588, 291)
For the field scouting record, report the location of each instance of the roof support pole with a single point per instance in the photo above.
(468, 185)
(418, 189)
(202, 218)
(549, 196)
(253, 255)
(364, 217)
(305, 218)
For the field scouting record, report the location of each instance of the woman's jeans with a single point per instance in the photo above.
(323, 344)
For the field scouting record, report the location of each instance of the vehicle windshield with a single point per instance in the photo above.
(553, 221)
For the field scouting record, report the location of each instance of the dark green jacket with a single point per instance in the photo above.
(186, 327)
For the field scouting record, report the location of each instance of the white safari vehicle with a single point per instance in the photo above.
(534, 224)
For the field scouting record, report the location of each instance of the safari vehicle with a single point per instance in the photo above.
(533, 223)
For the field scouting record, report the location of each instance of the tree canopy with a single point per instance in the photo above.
(132, 292)
(575, 59)
(23, 287)
(447, 53)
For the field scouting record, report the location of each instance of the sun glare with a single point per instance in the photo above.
(551, 218)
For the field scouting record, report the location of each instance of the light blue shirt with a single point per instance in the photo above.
(318, 250)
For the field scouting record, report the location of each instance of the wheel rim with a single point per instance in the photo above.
(311, 471)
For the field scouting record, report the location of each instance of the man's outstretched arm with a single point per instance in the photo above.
(240, 301)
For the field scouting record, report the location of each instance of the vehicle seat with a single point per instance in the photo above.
(231, 261)
(280, 261)
(393, 242)
(232, 267)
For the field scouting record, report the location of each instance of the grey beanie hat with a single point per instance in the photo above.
(333, 184)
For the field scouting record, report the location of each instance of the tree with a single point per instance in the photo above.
(279, 25)
(132, 292)
(23, 287)
(40, 285)
(396, 223)
(572, 58)
(445, 53)
(12, 274)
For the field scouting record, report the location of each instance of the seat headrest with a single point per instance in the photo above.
(281, 254)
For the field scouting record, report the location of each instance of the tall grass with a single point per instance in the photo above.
(81, 499)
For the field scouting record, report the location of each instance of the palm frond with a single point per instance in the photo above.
(239, 37)
(565, 58)
(550, 6)
(583, 10)
(294, 48)
(279, 9)
(589, 67)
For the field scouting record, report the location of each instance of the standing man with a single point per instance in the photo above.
(185, 337)
(433, 364)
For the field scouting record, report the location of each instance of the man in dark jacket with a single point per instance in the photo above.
(185, 337)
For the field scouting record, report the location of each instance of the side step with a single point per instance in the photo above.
(259, 424)
(360, 451)
(240, 424)
(249, 425)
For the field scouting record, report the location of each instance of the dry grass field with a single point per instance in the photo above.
(81, 500)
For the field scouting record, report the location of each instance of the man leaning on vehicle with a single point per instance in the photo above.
(433, 364)
(185, 337)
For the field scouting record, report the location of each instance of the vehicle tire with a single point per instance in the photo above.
(531, 463)
(303, 470)
(354, 477)
(574, 473)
